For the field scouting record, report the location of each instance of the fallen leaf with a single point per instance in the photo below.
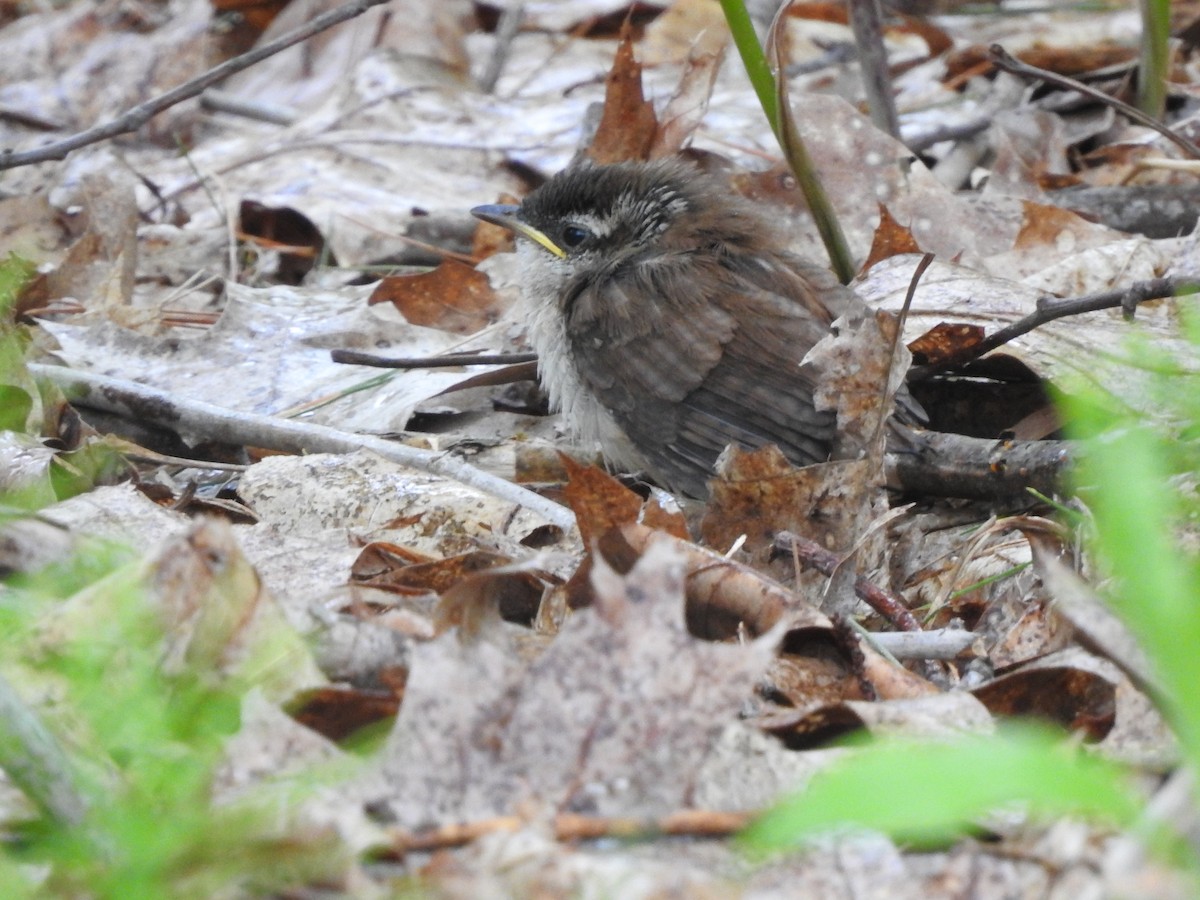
(890, 239)
(453, 297)
(946, 340)
(627, 125)
(613, 718)
(1070, 688)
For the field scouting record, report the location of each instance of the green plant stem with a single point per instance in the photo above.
(753, 59)
(818, 202)
(1156, 31)
(1155, 59)
(771, 89)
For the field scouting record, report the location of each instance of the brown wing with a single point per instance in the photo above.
(688, 371)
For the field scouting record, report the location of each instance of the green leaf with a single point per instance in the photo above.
(934, 792)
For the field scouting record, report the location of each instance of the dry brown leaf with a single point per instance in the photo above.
(220, 617)
(776, 185)
(432, 576)
(477, 603)
(808, 675)
(453, 297)
(1070, 688)
(946, 340)
(724, 596)
(1061, 60)
(819, 12)
(688, 105)
(890, 238)
(338, 712)
(1078, 60)
(936, 39)
(1048, 225)
(890, 681)
(256, 14)
(1038, 631)
(602, 505)
(380, 557)
(759, 493)
(860, 374)
(628, 125)
(662, 513)
(599, 501)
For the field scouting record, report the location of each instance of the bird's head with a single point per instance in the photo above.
(590, 218)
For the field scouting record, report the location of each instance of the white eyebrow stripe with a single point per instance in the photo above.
(601, 228)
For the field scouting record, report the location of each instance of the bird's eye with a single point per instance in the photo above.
(574, 235)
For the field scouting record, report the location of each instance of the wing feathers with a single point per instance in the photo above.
(686, 374)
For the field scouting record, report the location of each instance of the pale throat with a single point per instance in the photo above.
(586, 418)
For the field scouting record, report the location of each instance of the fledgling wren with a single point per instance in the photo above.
(670, 319)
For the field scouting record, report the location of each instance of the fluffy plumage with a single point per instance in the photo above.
(675, 320)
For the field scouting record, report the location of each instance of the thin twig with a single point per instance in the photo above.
(511, 18)
(866, 22)
(358, 358)
(1050, 308)
(230, 427)
(135, 118)
(696, 823)
(939, 643)
(826, 562)
(890, 395)
(1002, 60)
(271, 113)
(953, 131)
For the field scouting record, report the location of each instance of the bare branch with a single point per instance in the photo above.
(1051, 308)
(230, 427)
(1002, 60)
(135, 118)
(826, 562)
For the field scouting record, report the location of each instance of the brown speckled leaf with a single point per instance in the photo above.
(759, 493)
(944, 341)
(1071, 688)
(453, 297)
(614, 718)
(856, 363)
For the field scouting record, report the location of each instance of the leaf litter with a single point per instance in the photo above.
(616, 709)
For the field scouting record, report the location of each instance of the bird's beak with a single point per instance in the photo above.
(506, 217)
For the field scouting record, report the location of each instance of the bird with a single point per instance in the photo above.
(670, 318)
